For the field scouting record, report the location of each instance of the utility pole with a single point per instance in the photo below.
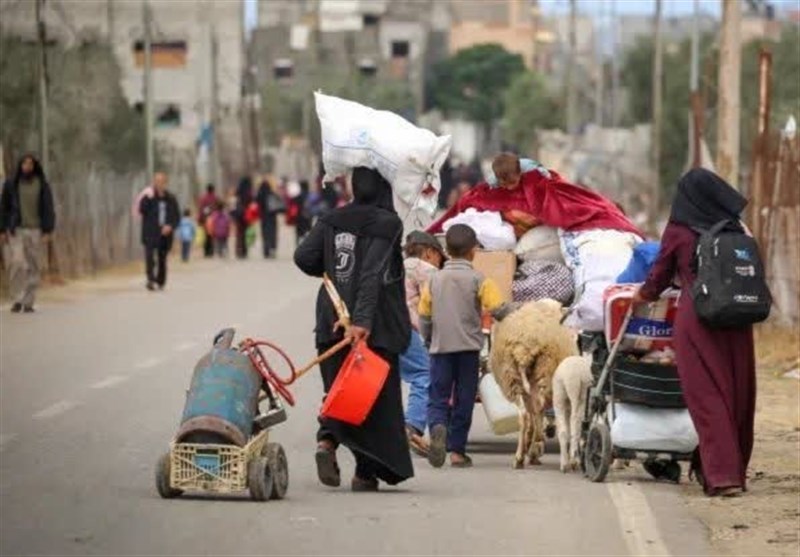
(44, 145)
(696, 106)
(572, 115)
(148, 88)
(729, 107)
(600, 80)
(614, 66)
(213, 159)
(658, 71)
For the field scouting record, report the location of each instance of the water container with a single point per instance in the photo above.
(357, 386)
(502, 415)
(223, 397)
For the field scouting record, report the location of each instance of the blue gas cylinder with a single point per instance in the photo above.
(223, 397)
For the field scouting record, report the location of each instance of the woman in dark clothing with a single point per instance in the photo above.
(303, 220)
(358, 246)
(716, 366)
(270, 205)
(244, 196)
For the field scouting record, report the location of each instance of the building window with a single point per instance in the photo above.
(400, 49)
(283, 69)
(168, 116)
(367, 67)
(165, 54)
(371, 20)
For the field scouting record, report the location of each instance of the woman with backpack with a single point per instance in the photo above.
(716, 364)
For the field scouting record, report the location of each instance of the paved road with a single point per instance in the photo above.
(91, 390)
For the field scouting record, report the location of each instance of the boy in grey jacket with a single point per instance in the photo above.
(450, 311)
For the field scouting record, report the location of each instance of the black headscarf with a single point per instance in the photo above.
(38, 171)
(704, 199)
(372, 211)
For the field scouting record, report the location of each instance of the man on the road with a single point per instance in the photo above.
(160, 215)
(27, 218)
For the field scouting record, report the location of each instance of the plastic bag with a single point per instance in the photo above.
(644, 255)
(540, 244)
(407, 156)
(492, 232)
(653, 429)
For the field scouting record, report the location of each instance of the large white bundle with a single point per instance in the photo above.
(407, 156)
(540, 244)
(653, 429)
(492, 232)
(596, 258)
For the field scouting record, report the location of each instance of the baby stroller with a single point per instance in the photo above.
(635, 410)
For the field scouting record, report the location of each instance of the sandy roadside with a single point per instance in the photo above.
(765, 520)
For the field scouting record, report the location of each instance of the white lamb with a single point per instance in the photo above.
(571, 381)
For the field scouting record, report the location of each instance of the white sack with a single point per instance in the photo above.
(540, 244)
(407, 156)
(596, 258)
(653, 429)
(493, 233)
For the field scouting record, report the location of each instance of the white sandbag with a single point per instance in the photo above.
(502, 415)
(407, 156)
(493, 233)
(653, 429)
(540, 244)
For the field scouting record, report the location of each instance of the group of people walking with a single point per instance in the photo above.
(423, 317)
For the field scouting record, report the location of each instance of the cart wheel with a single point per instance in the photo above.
(279, 467)
(259, 478)
(162, 478)
(597, 455)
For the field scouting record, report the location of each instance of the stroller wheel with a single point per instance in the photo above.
(598, 452)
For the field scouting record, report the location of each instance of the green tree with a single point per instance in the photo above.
(472, 82)
(529, 106)
(637, 79)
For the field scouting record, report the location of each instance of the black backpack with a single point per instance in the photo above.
(731, 289)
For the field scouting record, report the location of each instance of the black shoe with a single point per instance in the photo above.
(161, 287)
(16, 308)
(28, 309)
(327, 467)
(151, 286)
(360, 485)
(438, 448)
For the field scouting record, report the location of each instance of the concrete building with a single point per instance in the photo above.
(181, 56)
(510, 23)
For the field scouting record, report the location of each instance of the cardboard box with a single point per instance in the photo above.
(499, 266)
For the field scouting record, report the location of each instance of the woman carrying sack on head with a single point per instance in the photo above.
(358, 247)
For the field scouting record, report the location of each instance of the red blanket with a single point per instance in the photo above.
(551, 201)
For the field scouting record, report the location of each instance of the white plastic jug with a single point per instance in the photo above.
(503, 416)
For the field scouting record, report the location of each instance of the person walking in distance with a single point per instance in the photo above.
(270, 205)
(187, 232)
(27, 218)
(160, 216)
(206, 206)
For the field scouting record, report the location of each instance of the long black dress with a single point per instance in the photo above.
(358, 246)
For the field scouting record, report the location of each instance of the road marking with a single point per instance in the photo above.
(148, 364)
(639, 527)
(184, 346)
(109, 381)
(5, 439)
(55, 409)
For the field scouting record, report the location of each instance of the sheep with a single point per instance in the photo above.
(527, 347)
(571, 383)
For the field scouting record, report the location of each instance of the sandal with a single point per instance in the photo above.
(417, 443)
(463, 461)
(438, 448)
(361, 485)
(327, 467)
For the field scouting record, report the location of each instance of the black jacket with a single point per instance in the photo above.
(10, 215)
(368, 273)
(151, 231)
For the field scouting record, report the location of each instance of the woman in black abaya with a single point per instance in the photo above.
(358, 247)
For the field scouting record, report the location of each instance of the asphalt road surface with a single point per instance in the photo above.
(92, 389)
